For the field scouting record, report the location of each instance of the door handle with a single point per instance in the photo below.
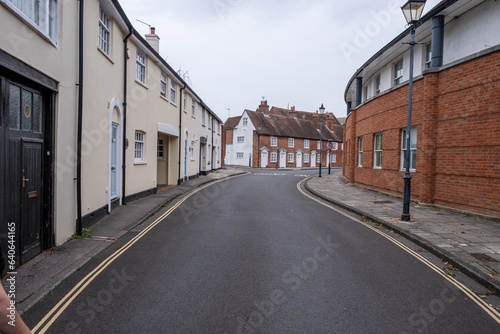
(24, 181)
(113, 168)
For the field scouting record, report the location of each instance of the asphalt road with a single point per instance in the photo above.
(254, 255)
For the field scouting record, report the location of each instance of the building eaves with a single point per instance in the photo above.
(433, 12)
(231, 122)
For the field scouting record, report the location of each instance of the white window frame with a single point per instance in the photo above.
(335, 145)
(140, 68)
(193, 107)
(44, 18)
(360, 151)
(241, 139)
(140, 144)
(163, 84)
(306, 157)
(192, 150)
(319, 144)
(203, 120)
(291, 142)
(104, 31)
(413, 149)
(377, 85)
(377, 150)
(245, 121)
(306, 143)
(274, 141)
(398, 72)
(318, 157)
(291, 157)
(240, 155)
(274, 157)
(173, 91)
(428, 55)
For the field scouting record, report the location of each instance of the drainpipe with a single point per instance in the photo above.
(180, 134)
(212, 152)
(125, 78)
(437, 41)
(79, 131)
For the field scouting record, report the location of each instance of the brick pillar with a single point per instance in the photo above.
(350, 135)
(428, 137)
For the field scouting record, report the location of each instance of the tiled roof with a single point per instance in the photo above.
(282, 126)
(231, 122)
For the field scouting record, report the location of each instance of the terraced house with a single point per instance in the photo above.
(455, 146)
(92, 117)
(276, 137)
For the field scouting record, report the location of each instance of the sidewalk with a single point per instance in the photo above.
(470, 243)
(41, 275)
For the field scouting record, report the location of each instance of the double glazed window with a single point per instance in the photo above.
(274, 141)
(306, 143)
(398, 72)
(290, 157)
(163, 84)
(274, 156)
(360, 151)
(291, 142)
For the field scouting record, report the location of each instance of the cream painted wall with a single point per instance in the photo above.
(60, 63)
(103, 83)
(146, 108)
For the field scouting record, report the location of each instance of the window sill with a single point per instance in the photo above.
(105, 55)
(141, 84)
(139, 163)
(172, 103)
(163, 98)
(193, 117)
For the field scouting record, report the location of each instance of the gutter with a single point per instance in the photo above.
(124, 141)
(79, 130)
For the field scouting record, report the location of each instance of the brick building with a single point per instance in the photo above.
(455, 137)
(277, 137)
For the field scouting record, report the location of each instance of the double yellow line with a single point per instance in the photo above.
(485, 306)
(61, 306)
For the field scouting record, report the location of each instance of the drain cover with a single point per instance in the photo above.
(382, 202)
(483, 257)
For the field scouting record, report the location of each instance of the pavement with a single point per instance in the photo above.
(38, 277)
(468, 242)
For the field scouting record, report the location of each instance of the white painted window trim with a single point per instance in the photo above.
(140, 71)
(241, 139)
(306, 143)
(306, 157)
(291, 157)
(245, 121)
(291, 142)
(140, 143)
(377, 151)
(360, 151)
(163, 84)
(398, 78)
(240, 155)
(274, 141)
(274, 157)
(173, 91)
(104, 31)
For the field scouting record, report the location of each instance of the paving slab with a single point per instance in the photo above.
(449, 234)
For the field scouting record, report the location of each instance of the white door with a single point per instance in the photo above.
(113, 164)
(299, 160)
(263, 159)
(282, 159)
(313, 159)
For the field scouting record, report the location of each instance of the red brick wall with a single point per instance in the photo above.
(457, 114)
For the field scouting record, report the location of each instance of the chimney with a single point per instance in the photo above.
(153, 39)
(264, 108)
(292, 108)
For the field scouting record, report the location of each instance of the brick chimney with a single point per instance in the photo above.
(263, 108)
(292, 108)
(153, 39)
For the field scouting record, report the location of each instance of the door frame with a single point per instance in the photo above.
(116, 105)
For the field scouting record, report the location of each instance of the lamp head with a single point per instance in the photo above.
(412, 10)
(321, 109)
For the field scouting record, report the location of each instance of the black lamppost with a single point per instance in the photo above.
(412, 11)
(329, 155)
(321, 111)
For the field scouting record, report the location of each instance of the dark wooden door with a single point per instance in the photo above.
(24, 168)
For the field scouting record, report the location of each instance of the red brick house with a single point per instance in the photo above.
(277, 137)
(455, 136)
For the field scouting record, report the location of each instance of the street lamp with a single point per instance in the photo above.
(412, 11)
(321, 112)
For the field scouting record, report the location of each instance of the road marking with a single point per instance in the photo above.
(269, 174)
(485, 306)
(61, 306)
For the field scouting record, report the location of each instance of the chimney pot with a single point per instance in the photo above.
(153, 29)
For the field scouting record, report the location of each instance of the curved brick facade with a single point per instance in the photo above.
(457, 114)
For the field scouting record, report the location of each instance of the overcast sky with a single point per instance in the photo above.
(294, 53)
